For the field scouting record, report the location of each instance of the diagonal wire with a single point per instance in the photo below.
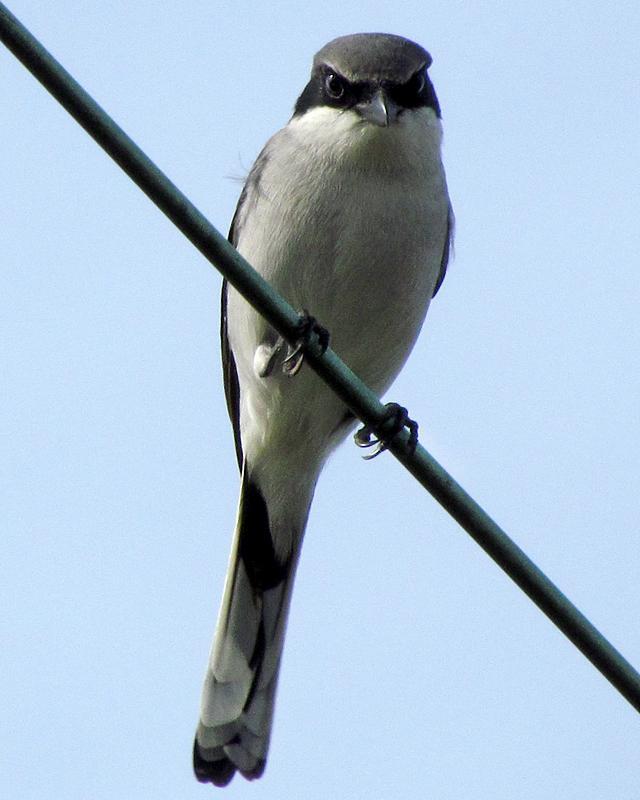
(352, 391)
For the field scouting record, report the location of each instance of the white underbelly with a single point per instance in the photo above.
(363, 257)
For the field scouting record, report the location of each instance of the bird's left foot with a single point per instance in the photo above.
(307, 326)
(396, 419)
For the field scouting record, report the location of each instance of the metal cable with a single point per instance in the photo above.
(358, 397)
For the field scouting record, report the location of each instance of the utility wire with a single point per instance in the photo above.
(351, 390)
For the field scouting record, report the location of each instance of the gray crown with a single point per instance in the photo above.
(373, 56)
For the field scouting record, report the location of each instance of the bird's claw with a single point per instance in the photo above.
(307, 326)
(396, 418)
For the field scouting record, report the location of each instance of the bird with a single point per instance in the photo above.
(346, 213)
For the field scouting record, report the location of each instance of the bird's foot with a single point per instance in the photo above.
(265, 357)
(307, 326)
(396, 419)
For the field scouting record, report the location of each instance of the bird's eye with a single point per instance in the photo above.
(416, 84)
(334, 85)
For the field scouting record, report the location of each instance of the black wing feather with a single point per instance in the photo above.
(446, 252)
(229, 370)
(230, 375)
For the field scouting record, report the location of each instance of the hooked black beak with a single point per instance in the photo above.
(379, 109)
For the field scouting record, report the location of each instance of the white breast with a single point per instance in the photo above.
(349, 221)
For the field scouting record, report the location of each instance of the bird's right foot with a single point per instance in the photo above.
(307, 326)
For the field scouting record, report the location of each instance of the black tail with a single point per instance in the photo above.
(239, 691)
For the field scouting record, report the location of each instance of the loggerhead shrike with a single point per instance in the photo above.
(346, 213)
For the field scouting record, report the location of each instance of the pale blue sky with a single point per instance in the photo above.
(413, 667)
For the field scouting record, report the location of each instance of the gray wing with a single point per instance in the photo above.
(446, 252)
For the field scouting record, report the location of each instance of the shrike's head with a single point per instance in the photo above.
(377, 76)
